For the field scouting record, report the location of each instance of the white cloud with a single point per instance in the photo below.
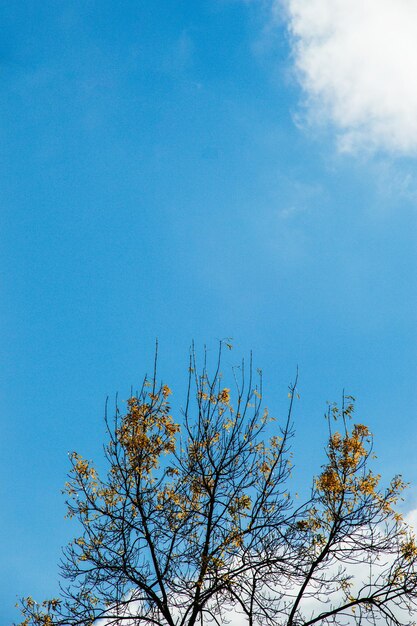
(356, 61)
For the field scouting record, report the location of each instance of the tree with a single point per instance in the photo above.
(194, 520)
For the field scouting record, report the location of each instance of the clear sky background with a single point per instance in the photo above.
(198, 170)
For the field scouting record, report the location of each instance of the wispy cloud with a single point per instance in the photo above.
(357, 64)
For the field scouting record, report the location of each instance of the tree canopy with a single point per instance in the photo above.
(194, 521)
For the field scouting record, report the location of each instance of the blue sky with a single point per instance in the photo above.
(182, 170)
